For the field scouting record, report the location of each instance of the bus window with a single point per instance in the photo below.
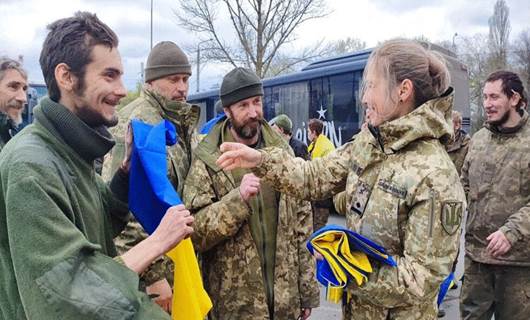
(291, 99)
(342, 119)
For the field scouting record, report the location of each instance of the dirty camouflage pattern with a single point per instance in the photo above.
(147, 108)
(404, 193)
(231, 264)
(488, 289)
(496, 177)
(457, 149)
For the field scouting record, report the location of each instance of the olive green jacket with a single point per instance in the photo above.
(57, 220)
(496, 177)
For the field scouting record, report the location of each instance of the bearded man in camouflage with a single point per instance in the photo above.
(162, 97)
(496, 178)
(251, 238)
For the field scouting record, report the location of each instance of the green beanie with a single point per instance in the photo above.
(283, 122)
(165, 59)
(240, 84)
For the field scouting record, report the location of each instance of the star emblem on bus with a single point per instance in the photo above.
(321, 112)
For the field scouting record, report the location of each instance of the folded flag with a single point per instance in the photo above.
(347, 257)
(150, 195)
(205, 129)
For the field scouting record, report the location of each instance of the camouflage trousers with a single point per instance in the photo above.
(358, 308)
(320, 217)
(503, 291)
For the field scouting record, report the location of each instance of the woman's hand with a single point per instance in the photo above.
(237, 155)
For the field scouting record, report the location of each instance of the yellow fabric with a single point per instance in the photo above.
(320, 147)
(334, 247)
(334, 294)
(190, 300)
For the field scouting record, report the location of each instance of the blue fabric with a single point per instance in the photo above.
(150, 191)
(209, 125)
(357, 242)
(444, 287)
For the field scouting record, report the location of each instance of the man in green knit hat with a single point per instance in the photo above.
(57, 216)
(163, 96)
(251, 238)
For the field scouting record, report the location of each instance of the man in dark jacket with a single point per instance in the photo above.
(13, 86)
(57, 217)
(284, 126)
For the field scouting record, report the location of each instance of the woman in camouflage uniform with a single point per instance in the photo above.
(402, 189)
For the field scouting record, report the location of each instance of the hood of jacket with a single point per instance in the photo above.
(431, 120)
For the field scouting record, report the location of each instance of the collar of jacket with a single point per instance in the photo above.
(509, 131)
(6, 126)
(89, 143)
(431, 120)
(208, 148)
(183, 115)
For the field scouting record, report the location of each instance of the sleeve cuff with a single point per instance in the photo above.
(510, 234)
(261, 169)
(119, 260)
(119, 185)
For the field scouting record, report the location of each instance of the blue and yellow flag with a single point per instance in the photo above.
(150, 195)
(347, 257)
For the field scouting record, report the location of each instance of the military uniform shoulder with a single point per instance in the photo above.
(428, 151)
(481, 134)
(145, 111)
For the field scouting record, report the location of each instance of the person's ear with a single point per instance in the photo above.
(406, 91)
(515, 98)
(227, 112)
(65, 79)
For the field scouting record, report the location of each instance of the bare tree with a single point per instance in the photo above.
(521, 50)
(260, 28)
(474, 53)
(343, 46)
(499, 31)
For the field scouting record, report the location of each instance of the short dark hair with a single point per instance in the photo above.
(71, 41)
(315, 125)
(510, 83)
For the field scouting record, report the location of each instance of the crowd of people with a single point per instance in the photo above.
(253, 194)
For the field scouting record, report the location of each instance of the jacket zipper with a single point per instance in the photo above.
(431, 219)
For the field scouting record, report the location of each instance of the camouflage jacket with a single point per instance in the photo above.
(148, 108)
(496, 177)
(403, 192)
(457, 149)
(231, 265)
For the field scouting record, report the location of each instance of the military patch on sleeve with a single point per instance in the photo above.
(357, 169)
(451, 217)
(360, 198)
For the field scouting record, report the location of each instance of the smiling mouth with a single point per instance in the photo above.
(112, 102)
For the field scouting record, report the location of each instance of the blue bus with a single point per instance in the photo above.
(35, 92)
(328, 90)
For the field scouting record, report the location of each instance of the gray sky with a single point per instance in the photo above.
(23, 26)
